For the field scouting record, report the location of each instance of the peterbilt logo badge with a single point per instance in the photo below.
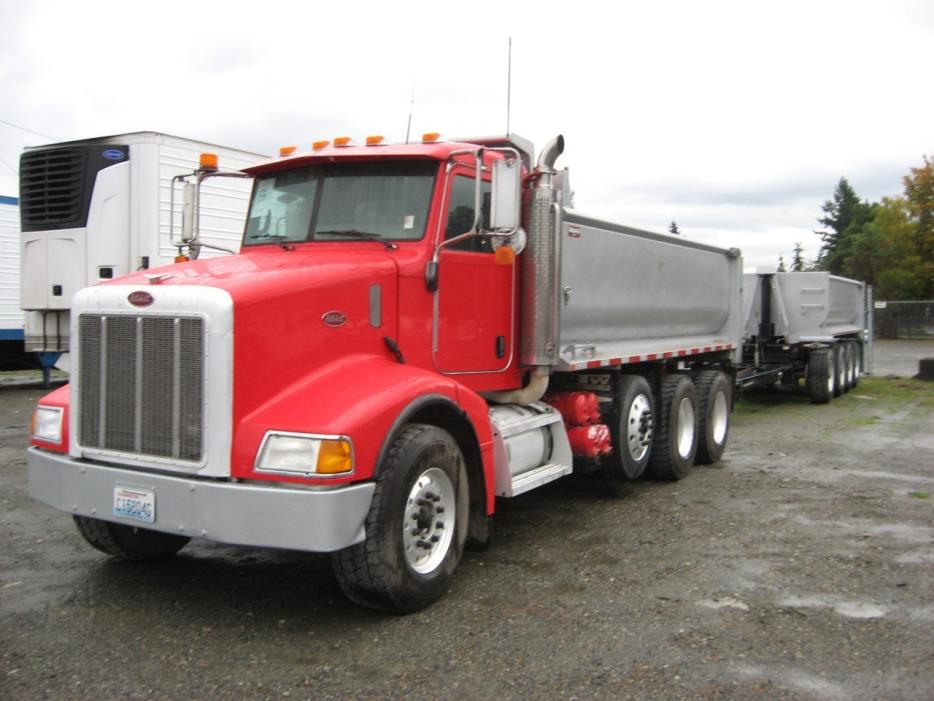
(140, 299)
(334, 318)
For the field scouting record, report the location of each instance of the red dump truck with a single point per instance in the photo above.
(408, 334)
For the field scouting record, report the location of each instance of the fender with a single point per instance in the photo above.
(366, 397)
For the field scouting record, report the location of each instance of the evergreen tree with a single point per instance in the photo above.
(797, 262)
(844, 215)
(673, 228)
(781, 264)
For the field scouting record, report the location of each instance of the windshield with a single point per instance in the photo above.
(342, 202)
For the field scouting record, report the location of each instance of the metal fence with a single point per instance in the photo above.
(904, 319)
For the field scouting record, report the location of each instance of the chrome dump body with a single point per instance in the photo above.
(627, 295)
(805, 307)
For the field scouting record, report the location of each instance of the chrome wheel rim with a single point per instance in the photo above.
(719, 418)
(685, 427)
(639, 427)
(428, 523)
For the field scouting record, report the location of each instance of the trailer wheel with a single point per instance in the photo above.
(129, 542)
(416, 526)
(857, 362)
(675, 443)
(839, 364)
(850, 366)
(632, 429)
(713, 411)
(821, 376)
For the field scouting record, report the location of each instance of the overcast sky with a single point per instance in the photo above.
(735, 119)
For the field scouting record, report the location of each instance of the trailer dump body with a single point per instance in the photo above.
(631, 295)
(806, 307)
(810, 326)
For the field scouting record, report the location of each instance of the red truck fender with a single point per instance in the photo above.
(327, 401)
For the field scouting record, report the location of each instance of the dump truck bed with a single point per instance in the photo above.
(629, 295)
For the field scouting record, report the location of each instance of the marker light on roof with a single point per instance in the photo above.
(207, 161)
(287, 150)
(318, 145)
(430, 137)
(374, 140)
(342, 141)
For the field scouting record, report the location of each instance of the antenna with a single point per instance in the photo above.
(509, 86)
(408, 128)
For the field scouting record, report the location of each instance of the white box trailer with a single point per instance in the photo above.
(11, 316)
(810, 325)
(98, 208)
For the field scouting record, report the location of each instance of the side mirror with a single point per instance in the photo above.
(188, 212)
(507, 194)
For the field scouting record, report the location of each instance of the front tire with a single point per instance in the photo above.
(713, 397)
(129, 542)
(416, 526)
(632, 429)
(675, 443)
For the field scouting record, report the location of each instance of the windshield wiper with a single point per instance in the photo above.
(278, 238)
(354, 233)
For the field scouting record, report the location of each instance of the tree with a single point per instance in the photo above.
(919, 197)
(782, 268)
(673, 228)
(845, 214)
(797, 262)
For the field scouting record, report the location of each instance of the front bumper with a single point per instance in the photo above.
(316, 520)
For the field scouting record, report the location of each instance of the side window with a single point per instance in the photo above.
(461, 213)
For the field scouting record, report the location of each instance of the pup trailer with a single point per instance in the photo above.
(811, 326)
(408, 334)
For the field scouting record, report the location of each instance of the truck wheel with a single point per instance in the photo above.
(416, 526)
(821, 377)
(129, 542)
(675, 443)
(839, 365)
(632, 431)
(713, 411)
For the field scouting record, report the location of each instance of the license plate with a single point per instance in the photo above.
(136, 503)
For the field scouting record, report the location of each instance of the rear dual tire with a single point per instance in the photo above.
(714, 397)
(675, 444)
(822, 376)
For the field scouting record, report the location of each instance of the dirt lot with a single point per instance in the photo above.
(800, 567)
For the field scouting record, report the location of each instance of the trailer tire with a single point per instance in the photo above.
(127, 542)
(849, 354)
(714, 395)
(416, 526)
(821, 376)
(632, 429)
(857, 362)
(839, 365)
(675, 442)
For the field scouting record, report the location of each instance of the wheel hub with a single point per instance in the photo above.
(428, 521)
(639, 427)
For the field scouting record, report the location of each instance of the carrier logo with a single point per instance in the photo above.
(140, 299)
(334, 318)
(114, 154)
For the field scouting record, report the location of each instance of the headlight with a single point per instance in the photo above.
(47, 424)
(303, 454)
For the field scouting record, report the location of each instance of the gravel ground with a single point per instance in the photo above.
(800, 567)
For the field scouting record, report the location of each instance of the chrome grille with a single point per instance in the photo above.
(141, 384)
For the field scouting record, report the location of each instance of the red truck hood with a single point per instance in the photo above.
(295, 310)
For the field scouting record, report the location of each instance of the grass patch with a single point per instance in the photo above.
(863, 420)
(920, 495)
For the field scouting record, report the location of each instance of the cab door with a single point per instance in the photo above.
(474, 302)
